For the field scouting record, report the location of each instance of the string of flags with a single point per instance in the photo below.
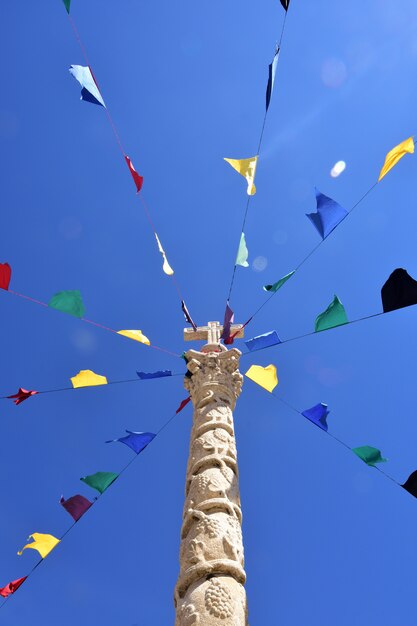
(76, 506)
(399, 291)
(90, 92)
(369, 455)
(87, 378)
(71, 302)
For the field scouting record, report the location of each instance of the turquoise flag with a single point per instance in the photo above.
(242, 253)
(369, 455)
(334, 315)
(100, 480)
(68, 302)
(279, 283)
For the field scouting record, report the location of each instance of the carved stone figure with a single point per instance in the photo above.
(210, 589)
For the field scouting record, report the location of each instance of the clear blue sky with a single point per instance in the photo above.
(328, 540)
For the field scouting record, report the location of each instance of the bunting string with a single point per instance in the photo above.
(110, 382)
(102, 490)
(269, 93)
(343, 443)
(85, 320)
(314, 332)
(124, 154)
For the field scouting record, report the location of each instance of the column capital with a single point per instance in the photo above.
(213, 374)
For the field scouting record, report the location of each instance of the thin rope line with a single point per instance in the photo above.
(84, 319)
(340, 441)
(257, 154)
(112, 382)
(310, 254)
(95, 500)
(315, 332)
(119, 142)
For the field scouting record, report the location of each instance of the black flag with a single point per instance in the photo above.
(410, 484)
(187, 315)
(285, 4)
(399, 291)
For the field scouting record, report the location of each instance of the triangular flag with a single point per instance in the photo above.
(90, 92)
(272, 70)
(400, 290)
(247, 168)
(44, 544)
(329, 214)
(87, 378)
(187, 315)
(76, 506)
(100, 480)
(68, 302)
(334, 315)
(159, 374)
(370, 456)
(410, 484)
(242, 253)
(285, 4)
(227, 322)
(318, 415)
(182, 405)
(22, 395)
(263, 341)
(9, 589)
(166, 266)
(136, 335)
(395, 155)
(5, 275)
(136, 441)
(274, 288)
(266, 377)
(67, 5)
(137, 179)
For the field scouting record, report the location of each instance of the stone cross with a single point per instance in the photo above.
(210, 588)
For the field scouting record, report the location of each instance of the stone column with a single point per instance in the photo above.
(210, 590)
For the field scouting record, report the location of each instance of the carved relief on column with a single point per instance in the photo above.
(210, 588)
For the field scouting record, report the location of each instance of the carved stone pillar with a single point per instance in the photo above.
(210, 590)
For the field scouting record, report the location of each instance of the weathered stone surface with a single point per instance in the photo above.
(210, 590)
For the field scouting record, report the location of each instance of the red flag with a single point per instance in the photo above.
(183, 404)
(232, 337)
(21, 395)
(5, 275)
(138, 180)
(12, 587)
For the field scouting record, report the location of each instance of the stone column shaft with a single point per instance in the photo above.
(210, 590)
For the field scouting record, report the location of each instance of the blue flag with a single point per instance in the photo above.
(159, 374)
(318, 415)
(329, 214)
(136, 441)
(263, 341)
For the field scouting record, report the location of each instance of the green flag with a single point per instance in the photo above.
(67, 5)
(68, 302)
(100, 480)
(278, 284)
(334, 315)
(242, 253)
(369, 455)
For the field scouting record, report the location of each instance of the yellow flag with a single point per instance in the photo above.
(166, 266)
(266, 377)
(137, 335)
(87, 378)
(395, 155)
(44, 544)
(247, 168)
